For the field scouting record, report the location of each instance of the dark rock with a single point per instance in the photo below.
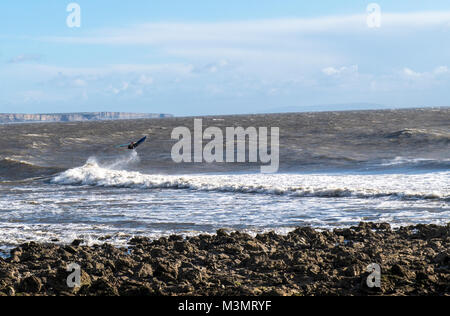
(443, 258)
(144, 271)
(10, 291)
(102, 287)
(77, 242)
(398, 270)
(183, 246)
(70, 250)
(132, 288)
(159, 253)
(175, 238)
(139, 240)
(124, 263)
(255, 246)
(166, 271)
(222, 233)
(194, 275)
(31, 285)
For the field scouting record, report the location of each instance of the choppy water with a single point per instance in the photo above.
(336, 170)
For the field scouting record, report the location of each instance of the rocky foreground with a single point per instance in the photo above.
(414, 260)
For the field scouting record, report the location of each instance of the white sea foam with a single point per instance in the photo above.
(406, 186)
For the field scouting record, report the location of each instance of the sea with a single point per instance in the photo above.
(65, 181)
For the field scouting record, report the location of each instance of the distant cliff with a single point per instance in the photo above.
(75, 117)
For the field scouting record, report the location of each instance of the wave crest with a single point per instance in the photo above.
(360, 186)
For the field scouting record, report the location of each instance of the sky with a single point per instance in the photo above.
(204, 57)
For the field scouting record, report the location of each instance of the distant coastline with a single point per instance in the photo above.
(76, 117)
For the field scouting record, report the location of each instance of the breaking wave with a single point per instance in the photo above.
(417, 163)
(424, 186)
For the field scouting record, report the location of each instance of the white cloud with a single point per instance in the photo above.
(411, 73)
(441, 70)
(145, 80)
(120, 89)
(332, 71)
(427, 75)
(329, 71)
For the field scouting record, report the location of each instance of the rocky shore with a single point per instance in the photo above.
(414, 260)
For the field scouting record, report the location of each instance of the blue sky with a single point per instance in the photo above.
(221, 57)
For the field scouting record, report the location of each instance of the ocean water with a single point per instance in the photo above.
(60, 182)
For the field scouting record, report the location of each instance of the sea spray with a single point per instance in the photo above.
(121, 163)
(126, 160)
